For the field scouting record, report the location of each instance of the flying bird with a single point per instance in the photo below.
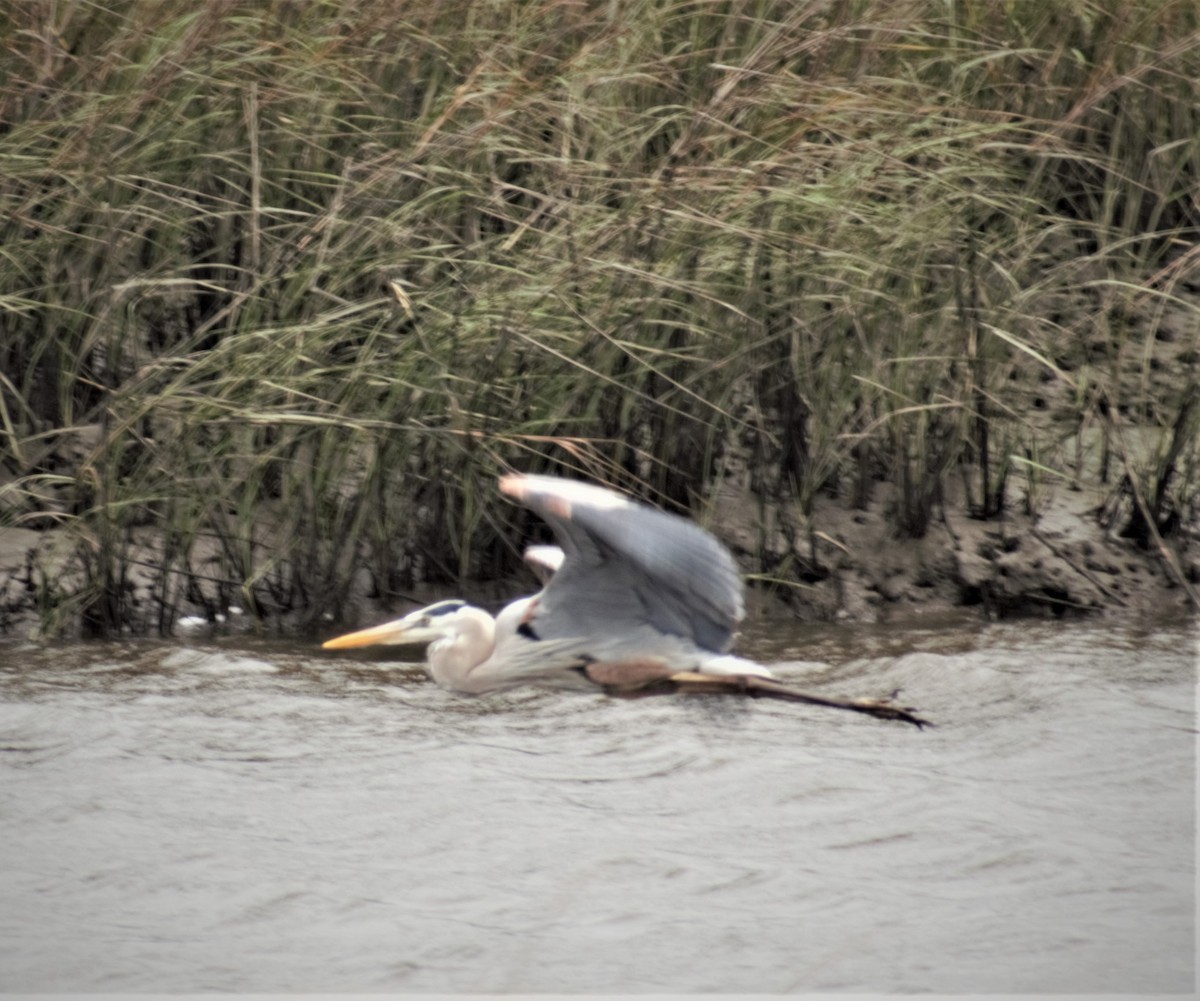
(636, 601)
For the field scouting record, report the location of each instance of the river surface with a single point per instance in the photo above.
(236, 816)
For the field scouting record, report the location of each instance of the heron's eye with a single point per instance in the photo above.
(426, 620)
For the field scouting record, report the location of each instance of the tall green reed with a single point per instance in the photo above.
(316, 272)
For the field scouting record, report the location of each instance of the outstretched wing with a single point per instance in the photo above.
(629, 570)
(544, 561)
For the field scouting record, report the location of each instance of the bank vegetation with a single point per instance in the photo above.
(284, 286)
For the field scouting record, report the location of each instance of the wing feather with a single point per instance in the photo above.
(630, 567)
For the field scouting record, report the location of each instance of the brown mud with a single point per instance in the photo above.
(848, 565)
(1062, 561)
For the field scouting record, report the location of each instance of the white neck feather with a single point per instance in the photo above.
(452, 658)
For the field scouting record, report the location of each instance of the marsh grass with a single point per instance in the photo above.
(309, 275)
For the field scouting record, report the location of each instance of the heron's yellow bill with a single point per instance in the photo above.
(389, 632)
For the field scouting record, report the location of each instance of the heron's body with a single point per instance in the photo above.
(639, 600)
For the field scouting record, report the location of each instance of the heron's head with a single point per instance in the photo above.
(437, 621)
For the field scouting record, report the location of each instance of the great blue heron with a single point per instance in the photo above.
(637, 601)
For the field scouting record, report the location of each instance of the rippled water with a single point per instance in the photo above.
(223, 817)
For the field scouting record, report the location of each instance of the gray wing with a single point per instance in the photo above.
(544, 561)
(629, 570)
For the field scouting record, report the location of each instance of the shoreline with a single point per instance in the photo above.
(1058, 563)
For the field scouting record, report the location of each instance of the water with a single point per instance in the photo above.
(227, 816)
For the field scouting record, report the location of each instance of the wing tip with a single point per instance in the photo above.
(559, 496)
(514, 485)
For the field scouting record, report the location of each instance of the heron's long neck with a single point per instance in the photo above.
(452, 660)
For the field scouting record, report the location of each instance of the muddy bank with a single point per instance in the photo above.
(1066, 544)
(842, 564)
(1060, 562)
